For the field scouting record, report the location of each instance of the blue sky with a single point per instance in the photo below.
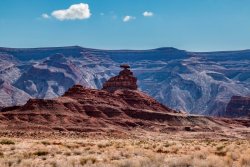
(194, 25)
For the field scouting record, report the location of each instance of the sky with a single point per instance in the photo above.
(193, 25)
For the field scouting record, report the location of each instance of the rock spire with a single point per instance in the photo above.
(125, 80)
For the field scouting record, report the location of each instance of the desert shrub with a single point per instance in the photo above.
(221, 151)
(167, 144)
(200, 155)
(115, 157)
(146, 146)
(161, 149)
(67, 153)
(45, 143)
(6, 142)
(88, 160)
(219, 148)
(41, 153)
(104, 145)
(19, 161)
(10, 163)
(1, 155)
(87, 148)
(124, 154)
(77, 153)
(71, 146)
(57, 143)
(59, 152)
(119, 145)
(27, 155)
(197, 148)
(53, 164)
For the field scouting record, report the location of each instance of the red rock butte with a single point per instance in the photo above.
(125, 80)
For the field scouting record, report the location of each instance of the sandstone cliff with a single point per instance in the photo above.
(238, 107)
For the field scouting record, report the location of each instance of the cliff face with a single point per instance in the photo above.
(238, 107)
(198, 83)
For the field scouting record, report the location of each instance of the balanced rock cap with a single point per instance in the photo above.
(125, 80)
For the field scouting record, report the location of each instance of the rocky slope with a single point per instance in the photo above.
(198, 83)
(89, 110)
(238, 107)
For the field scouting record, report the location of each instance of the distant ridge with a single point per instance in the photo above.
(87, 48)
(195, 82)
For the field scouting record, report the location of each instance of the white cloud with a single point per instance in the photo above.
(45, 16)
(148, 14)
(128, 18)
(77, 11)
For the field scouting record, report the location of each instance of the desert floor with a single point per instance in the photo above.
(141, 151)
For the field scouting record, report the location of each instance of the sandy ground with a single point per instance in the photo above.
(137, 150)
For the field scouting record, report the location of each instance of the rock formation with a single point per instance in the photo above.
(125, 80)
(99, 111)
(84, 110)
(238, 107)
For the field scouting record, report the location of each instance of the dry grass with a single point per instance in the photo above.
(6, 142)
(124, 153)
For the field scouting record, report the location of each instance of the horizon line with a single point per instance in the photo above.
(124, 49)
